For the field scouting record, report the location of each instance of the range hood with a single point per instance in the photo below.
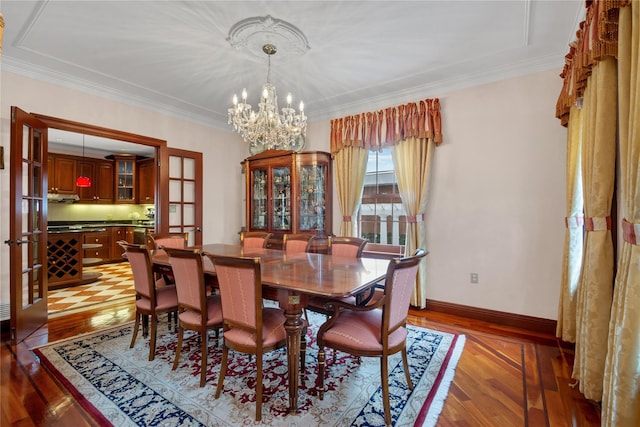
(62, 198)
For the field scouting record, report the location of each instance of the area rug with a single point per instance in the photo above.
(120, 387)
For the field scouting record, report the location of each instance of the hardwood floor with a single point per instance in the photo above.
(505, 377)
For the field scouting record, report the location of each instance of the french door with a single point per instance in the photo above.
(185, 194)
(28, 224)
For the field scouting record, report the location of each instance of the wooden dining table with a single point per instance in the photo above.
(295, 278)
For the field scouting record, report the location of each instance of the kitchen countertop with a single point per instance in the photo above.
(58, 227)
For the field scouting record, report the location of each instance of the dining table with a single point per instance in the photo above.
(295, 278)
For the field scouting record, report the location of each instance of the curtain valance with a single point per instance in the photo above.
(383, 128)
(596, 39)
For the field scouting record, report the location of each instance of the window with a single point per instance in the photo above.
(382, 217)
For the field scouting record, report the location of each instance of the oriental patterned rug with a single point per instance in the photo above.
(120, 387)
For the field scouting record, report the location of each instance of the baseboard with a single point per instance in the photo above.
(535, 324)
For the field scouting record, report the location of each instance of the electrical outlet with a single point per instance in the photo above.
(474, 277)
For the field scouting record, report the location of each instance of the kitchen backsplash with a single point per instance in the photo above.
(88, 212)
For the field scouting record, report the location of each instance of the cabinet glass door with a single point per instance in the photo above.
(125, 189)
(281, 198)
(312, 197)
(259, 199)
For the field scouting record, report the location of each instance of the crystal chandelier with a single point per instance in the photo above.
(267, 129)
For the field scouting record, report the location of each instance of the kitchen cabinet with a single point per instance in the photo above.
(64, 258)
(101, 174)
(97, 247)
(124, 178)
(61, 174)
(288, 192)
(117, 234)
(146, 185)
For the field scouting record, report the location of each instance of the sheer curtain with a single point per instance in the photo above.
(621, 395)
(573, 240)
(416, 128)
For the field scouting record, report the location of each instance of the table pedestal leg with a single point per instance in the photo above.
(293, 325)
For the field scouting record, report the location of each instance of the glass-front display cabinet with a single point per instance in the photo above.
(288, 192)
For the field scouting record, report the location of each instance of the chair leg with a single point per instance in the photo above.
(321, 357)
(203, 356)
(178, 348)
(407, 374)
(384, 373)
(223, 369)
(152, 340)
(259, 387)
(136, 325)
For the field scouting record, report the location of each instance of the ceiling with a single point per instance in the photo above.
(174, 56)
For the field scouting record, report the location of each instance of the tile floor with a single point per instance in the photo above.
(115, 283)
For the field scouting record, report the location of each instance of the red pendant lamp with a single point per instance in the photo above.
(83, 181)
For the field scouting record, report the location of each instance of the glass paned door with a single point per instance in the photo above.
(185, 194)
(259, 198)
(313, 197)
(27, 236)
(281, 198)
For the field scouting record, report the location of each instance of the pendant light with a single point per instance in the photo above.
(83, 181)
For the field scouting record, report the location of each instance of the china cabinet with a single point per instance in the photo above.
(288, 192)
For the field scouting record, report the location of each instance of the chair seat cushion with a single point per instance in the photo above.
(214, 314)
(361, 332)
(272, 330)
(166, 299)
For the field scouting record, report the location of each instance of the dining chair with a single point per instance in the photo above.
(151, 300)
(196, 311)
(296, 243)
(254, 239)
(346, 247)
(376, 330)
(350, 247)
(248, 327)
(168, 240)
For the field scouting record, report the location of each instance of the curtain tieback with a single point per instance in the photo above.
(347, 218)
(598, 223)
(576, 221)
(412, 219)
(630, 232)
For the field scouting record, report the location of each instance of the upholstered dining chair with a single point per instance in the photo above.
(346, 247)
(350, 247)
(168, 240)
(248, 327)
(151, 300)
(254, 239)
(376, 330)
(196, 310)
(296, 243)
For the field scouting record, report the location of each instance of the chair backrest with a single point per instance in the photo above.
(296, 243)
(240, 292)
(167, 240)
(139, 258)
(399, 284)
(254, 239)
(350, 247)
(187, 269)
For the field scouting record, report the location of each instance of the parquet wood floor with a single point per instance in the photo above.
(505, 377)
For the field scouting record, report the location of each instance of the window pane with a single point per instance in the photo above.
(382, 217)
